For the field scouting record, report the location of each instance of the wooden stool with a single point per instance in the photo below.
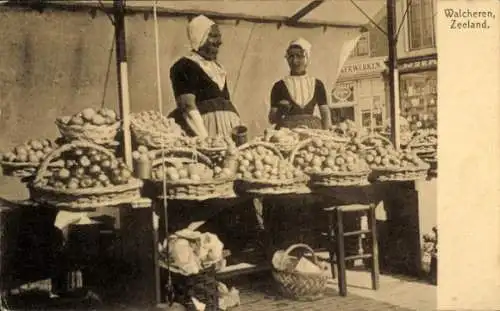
(336, 236)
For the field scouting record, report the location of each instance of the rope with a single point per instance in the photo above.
(245, 52)
(160, 107)
(403, 19)
(106, 79)
(368, 17)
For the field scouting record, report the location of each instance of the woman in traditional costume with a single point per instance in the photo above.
(295, 97)
(204, 105)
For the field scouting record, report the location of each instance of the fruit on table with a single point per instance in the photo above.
(32, 151)
(88, 168)
(328, 157)
(91, 116)
(153, 121)
(348, 128)
(425, 137)
(261, 163)
(143, 153)
(281, 136)
(214, 142)
(185, 171)
(382, 157)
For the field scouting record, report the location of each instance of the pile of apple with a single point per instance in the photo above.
(262, 164)
(190, 172)
(33, 151)
(320, 156)
(90, 116)
(424, 138)
(215, 142)
(283, 136)
(153, 121)
(88, 168)
(386, 157)
(347, 128)
(143, 153)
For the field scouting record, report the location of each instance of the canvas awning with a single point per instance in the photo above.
(339, 13)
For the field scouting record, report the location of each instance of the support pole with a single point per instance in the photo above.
(393, 73)
(122, 72)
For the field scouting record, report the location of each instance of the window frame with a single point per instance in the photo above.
(368, 43)
(421, 27)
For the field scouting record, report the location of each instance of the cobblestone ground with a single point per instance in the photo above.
(261, 297)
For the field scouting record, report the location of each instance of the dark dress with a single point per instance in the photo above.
(298, 115)
(218, 114)
(297, 219)
(214, 104)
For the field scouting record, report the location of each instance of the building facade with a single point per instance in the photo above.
(417, 62)
(361, 92)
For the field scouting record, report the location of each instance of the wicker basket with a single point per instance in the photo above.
(216, 154)
(334, 179)
(400, 174)
(370, 141)
(81, 199)
(300, 286)
(269, 187)
(424, 149)
(98, 134)
(156, 139)
(190, 189)
(284, 148)
(22, 169)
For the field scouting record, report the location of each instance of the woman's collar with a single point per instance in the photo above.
(304, 74)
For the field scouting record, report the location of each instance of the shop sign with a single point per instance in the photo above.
(369, 66)
(343, 93)
(418, 65)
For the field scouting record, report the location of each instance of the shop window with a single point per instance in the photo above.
(421, 24)
(419, 99)
(363, 46)
(372, 119)
(342, 114)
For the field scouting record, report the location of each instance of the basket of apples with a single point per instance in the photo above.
(347, 129)
(424, 144)
(23, 160)
(154, 130)
(190, 175)
(214, 147)
(330, 164)
(389, 164)
(96, 126)
(88, 176)
(262, 169)
(284, 139)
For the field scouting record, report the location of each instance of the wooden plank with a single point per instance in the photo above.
(305, 10)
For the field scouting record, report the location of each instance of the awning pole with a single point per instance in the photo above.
(393, 73)
(122, 72)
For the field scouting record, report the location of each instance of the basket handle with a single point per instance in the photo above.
(256, 143)
(376, 136)
(300, 245)
(193, 153)
(416, 138)
(42, 169)
(299, 146)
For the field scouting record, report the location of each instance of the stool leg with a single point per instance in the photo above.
(331, 241)
(341, 254)
(375, 264)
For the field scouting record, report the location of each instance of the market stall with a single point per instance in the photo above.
(83, 169)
